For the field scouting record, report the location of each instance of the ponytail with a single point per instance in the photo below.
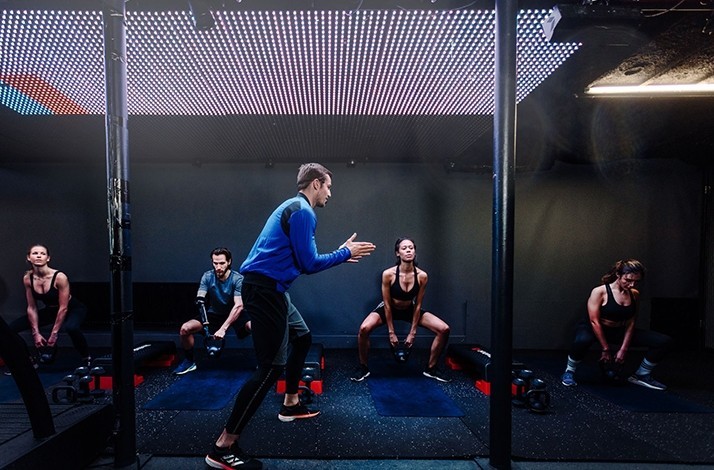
(625, 266)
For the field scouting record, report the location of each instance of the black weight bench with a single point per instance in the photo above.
(473, 358)
(146, 354)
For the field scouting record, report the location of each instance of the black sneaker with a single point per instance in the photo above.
(299, 411)
(361, 374)
(185, 367)
(436, 374)
(230, 458)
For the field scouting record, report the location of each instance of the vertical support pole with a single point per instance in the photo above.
(502, 236)
(119, 225)
(705, 338)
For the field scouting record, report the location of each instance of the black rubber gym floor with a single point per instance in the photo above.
(580, 426)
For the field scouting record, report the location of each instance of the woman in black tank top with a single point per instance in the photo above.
(49, 302)
(612, 313)
(403, 288)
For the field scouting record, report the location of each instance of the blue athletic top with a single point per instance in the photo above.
(616, 312)
(220, 293)
(286, 246)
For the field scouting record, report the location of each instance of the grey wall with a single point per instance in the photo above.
(572, 223)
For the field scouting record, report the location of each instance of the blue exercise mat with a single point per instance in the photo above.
(410, 394)
(643, 400)
(203, 389)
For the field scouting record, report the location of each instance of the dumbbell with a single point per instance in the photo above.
(83, 381)
(84, 395)
(527, 376)
(96, 373)
(519, 394)
(307, 394)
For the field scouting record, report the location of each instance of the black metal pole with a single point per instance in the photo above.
(119, 224)
(502, 236)
(706, 257)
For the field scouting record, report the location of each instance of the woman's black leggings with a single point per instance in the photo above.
(76, 313)
(659, 344)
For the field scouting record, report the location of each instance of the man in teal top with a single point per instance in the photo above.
(220, 289)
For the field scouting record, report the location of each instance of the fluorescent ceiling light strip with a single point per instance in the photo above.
(652, 90)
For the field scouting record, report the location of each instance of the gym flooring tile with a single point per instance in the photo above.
(578, 427)
(580, 431)
(197, 463)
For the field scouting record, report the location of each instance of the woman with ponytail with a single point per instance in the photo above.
(403, 287)
(612, 314)
(49, 302)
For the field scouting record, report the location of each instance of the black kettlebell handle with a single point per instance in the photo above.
(70, 394)
(538, 400)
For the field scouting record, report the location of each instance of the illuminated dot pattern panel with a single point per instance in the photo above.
(331, 63)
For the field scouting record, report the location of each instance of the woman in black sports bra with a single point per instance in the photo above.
(49, 302)
(403, 288)
(612, 313)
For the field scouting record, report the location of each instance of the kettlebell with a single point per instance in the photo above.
(47, 354)
(537, 398)
(401, 352)
(611, 372)
(65, 394)
(214, 346)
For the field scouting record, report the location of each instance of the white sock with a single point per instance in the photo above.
(572, 365)
(645, 368)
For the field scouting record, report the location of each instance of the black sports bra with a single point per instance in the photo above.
(615, 312)
(49, 298)
(396, 291)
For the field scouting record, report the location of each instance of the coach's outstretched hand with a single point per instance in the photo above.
(358, 249)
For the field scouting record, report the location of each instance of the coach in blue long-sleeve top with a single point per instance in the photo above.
(284, 249)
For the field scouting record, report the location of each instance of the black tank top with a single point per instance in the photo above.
(396, 291)
(615, 312)
(49, 298)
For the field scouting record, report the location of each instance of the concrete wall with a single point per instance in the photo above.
(572, 223)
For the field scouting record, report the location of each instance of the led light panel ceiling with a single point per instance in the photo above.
(365, 62)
